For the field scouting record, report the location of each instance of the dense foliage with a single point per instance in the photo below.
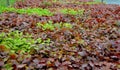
(60, 35)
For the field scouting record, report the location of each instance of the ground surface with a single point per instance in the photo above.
(72, 36)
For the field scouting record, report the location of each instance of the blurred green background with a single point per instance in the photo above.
(7, 2)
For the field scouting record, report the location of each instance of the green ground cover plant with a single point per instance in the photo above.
(4, 2)
(67, 25)
(16, 41)
(50, 26)
(97, 0)
(90, 3)
(72, 11)
(29, 11)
